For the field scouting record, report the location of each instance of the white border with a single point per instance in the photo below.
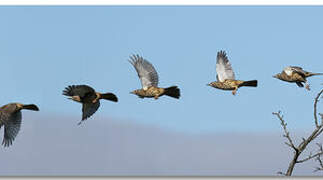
(161, 2)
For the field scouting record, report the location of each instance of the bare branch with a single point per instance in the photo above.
(318, 132)
(286, 135)
(315, 111)
(303, 141)
(302, 146)
(281, 173)
(320, 168)
(310, 157)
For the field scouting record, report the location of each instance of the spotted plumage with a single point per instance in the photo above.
(89, 98)
(226, 77)
(149, 80)
(10, 118)
(295, 74)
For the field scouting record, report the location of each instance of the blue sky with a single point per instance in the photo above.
(44, 49)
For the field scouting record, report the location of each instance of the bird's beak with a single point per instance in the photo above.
(274, 76)
(208, 84)
(70, 98)
(132, 92)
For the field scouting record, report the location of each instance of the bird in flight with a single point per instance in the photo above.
(295, 74)
(225, 76)
(149, 80)
(89, 98)
(10, 118)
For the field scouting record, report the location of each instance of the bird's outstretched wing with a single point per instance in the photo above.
(146, 71)
(88, 109)
(11, 128)
(223, 67)
(78, 90)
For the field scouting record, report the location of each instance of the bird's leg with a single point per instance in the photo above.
(235, 90)
(307, 86)
(156, 97)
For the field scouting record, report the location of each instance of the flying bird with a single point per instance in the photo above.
(10, 118)
(89, 98)
(295, 74)
(149, 80)
(225, 75)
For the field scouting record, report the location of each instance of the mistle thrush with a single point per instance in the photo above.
(149, 80)
(295, 74)
(225, 76)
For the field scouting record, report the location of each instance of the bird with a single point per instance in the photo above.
(296, 74)
(89, 98)
(225, 75)
(149, 80)
(10, 118)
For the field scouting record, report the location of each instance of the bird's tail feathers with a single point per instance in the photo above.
(313, 74)
(173, 91)
(252, 83)
(30, 107)
(109, 96)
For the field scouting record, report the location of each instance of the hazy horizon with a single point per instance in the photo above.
(125, 148)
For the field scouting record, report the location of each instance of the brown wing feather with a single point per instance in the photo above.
(88, 109)
(11, 129)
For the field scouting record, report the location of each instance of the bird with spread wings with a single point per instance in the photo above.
(225, 75)
(295, 74)
(10, 118)
(149, 80)
(89, 98)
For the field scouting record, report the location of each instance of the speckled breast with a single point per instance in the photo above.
(152, 91)
(221, 85)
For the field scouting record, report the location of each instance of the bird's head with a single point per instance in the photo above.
(277, 76)
(134, 92)
(137, 92)
(212, 84)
